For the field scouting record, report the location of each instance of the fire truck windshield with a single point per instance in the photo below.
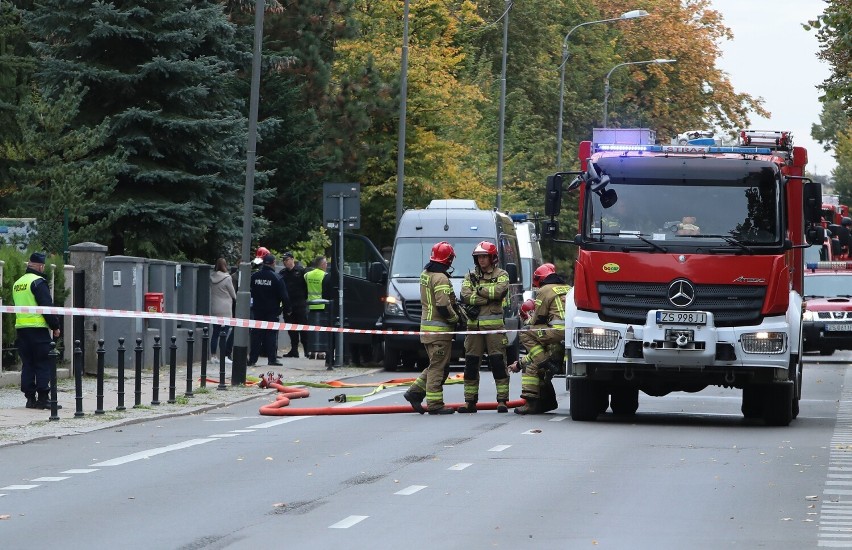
(738, 214)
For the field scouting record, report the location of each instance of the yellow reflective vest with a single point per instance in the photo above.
(23, 296)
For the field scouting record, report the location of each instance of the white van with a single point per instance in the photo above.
(529, 250)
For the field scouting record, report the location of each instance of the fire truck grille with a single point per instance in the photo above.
(731, 305)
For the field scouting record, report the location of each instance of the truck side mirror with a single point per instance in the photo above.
(378, 273)
(815, 235)
(550, 228)
(553, 195)
(812, 199)
(512, 270)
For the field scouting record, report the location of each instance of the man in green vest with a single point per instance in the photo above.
(319, 288)
(35, 332)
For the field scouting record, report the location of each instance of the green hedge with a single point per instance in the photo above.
(15, 264)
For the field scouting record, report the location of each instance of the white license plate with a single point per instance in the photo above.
(681, 318)
(838, 327)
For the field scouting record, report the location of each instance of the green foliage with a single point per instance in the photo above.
(317, 244)
(834, 32)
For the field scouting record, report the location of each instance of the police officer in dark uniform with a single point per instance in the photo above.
(268, 299)
(293, 275)
(35, 332)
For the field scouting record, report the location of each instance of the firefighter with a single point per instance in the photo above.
(438, 319)
(482, 295)
(547, 326)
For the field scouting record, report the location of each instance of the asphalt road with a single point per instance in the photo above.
(686, 472)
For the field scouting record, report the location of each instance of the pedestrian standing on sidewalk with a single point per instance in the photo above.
(293, 274)
(222, 298)
(35, 332)
(268, 299)
(438, 319)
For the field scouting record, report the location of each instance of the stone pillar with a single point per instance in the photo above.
(89, 259)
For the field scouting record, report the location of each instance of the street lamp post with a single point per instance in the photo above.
(633, 14)
(502, 106)
(403, 97)
(606, 81)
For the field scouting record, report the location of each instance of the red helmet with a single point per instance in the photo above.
(542, 272)
(486, 248)
(261, 252)
(443, 253)
(527, 308)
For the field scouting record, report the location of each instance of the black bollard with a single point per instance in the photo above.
(205, 349)
(190, 344)
(223, 338)
(54, 409)
(121, 351)
(172, 369)
(137, 393)
(78, 379)
(99, 396)
(155, 398)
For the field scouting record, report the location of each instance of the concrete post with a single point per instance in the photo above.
(89, 258)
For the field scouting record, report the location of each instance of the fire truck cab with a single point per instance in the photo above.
(689, 272)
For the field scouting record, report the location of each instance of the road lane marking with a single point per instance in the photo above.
(223, 435)
(460, 466)
(80, 471)
(410, 490)
(498, 448)
(142, 455)
(834, 532)
(557, 419)
(346, 523)
(243, 431)
(57, 478)
(17, 487)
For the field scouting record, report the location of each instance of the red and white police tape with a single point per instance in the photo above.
(206, 319)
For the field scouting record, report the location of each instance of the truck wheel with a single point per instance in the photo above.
(390, 361)
(585, 398)
(796, 376)
(624, 400)
(753, 398)
(778, 408)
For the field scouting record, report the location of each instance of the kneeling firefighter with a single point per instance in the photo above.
(547, 327)
(483, 293)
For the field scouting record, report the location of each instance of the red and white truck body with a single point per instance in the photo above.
(689, 272)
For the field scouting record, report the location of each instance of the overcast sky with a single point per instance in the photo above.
(773, 57)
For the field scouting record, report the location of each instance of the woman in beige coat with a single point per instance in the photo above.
(222, 298)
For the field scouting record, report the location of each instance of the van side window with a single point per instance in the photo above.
(510, 249)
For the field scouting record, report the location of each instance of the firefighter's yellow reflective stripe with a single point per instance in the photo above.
(561, 290)
(557, 323)
(503, 388)
(420, 383)
(527, 380)
(492, 317)
(443, 288)
(534, 351)
(434, 396)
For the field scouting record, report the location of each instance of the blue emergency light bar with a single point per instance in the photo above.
(828, 265)
(684, 149)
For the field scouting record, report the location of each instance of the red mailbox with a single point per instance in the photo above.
(155, 302)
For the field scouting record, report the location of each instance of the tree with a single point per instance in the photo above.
(59, 166)
(161, 72)
(833, 121)
(833, 30)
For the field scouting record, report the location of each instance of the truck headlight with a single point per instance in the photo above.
(763, 342)
(393, 306)
(595, 338)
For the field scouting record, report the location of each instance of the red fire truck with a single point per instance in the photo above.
(690, 271)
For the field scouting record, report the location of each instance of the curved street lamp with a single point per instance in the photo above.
(633, 14)
(606, 81)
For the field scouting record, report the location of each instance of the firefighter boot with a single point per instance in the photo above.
(442, 410)
(502, 407)
(530, 407)
(416, 400)
(468, 407)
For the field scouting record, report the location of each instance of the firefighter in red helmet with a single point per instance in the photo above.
(547, 326)
(438, 320)
(482, 295)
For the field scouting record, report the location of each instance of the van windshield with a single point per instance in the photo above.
(410, 255)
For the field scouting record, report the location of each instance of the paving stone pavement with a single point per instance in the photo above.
(20, 425)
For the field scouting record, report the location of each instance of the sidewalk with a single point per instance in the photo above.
(19, 424)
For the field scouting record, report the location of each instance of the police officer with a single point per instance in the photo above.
(293, 275)
(547, 326)
(268, 299)
(438, 319)
(35, 332)
(482, 295)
